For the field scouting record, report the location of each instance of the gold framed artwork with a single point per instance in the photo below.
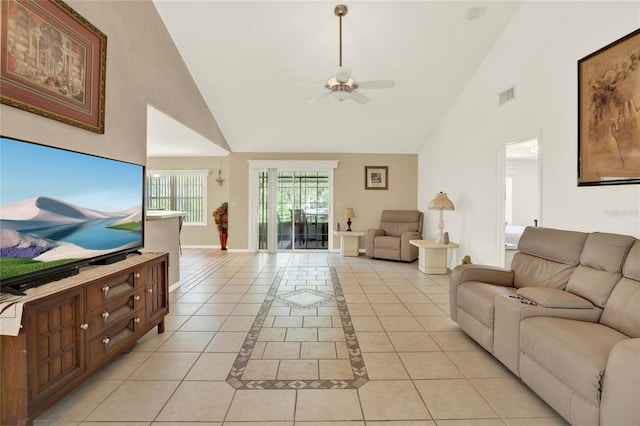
(376, 177)
(53, 63)
(609, 114)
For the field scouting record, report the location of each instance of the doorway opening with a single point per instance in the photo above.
(521, 192)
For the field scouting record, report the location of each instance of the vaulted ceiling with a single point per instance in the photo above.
(257, 63)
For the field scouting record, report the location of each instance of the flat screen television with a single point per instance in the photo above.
(60, 210)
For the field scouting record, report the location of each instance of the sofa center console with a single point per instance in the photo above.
(511, 309)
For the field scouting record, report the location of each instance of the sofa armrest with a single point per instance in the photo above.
(621, 385)
(370, 235)
(409, 252)
(481, 273)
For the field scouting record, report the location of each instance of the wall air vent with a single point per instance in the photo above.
(507, 95)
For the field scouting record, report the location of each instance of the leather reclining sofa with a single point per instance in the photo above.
(565, 319)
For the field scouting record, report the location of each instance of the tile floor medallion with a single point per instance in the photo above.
(304, 322)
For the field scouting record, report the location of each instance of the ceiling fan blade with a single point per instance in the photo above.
(343, 74)
(376, 84)
(359, 97)
(319, 97)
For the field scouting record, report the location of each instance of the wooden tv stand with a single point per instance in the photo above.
(73, 327)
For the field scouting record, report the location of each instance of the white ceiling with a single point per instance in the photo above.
(257, 63)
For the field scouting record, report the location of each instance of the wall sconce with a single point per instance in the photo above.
(220, 180)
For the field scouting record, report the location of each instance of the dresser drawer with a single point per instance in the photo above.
(110, 288)
(116, 339)
(119, 308)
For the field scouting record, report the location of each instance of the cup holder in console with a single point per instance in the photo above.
(522, 299)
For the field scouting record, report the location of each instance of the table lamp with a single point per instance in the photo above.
(441, 202)
(348, 213)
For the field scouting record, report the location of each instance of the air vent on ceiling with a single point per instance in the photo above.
(507, 95)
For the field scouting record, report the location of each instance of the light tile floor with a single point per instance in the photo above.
(308, 339)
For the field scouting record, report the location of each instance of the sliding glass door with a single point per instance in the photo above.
(293, 209)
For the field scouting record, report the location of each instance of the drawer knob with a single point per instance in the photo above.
(137, 274)
(105, 289)
(105, 315)
(84, 326)
(137, 320)
(105, 340)
(136, 297)
(149, 290)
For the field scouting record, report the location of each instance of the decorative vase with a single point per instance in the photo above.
(223, 240)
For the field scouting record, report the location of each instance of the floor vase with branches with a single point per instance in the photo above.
(220, 215)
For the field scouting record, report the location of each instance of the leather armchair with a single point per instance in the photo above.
(391, 240)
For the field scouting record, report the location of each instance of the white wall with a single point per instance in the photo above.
(538, 52)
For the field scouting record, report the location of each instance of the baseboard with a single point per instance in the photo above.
(174, 286)
(192, 246)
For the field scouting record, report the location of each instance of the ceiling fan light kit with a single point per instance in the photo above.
(342, 92)
(342, 86)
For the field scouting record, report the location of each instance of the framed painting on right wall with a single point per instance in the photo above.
(609, 114)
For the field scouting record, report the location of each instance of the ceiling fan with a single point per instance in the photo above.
(342, 86)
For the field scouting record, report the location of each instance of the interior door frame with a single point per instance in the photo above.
(502, 170)
(256, 166)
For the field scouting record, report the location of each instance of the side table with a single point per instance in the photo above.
(432, 256)
(349, 242)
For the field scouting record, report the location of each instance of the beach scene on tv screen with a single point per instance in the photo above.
(59, 207)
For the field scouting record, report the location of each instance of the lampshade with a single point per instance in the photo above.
(348, 213)
(441, 202)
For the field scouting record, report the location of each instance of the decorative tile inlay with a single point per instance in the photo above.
(304, 298)
(303, 302)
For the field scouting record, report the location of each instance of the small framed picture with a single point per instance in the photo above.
(376, 177)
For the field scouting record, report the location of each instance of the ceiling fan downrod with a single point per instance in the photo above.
(340, 11)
